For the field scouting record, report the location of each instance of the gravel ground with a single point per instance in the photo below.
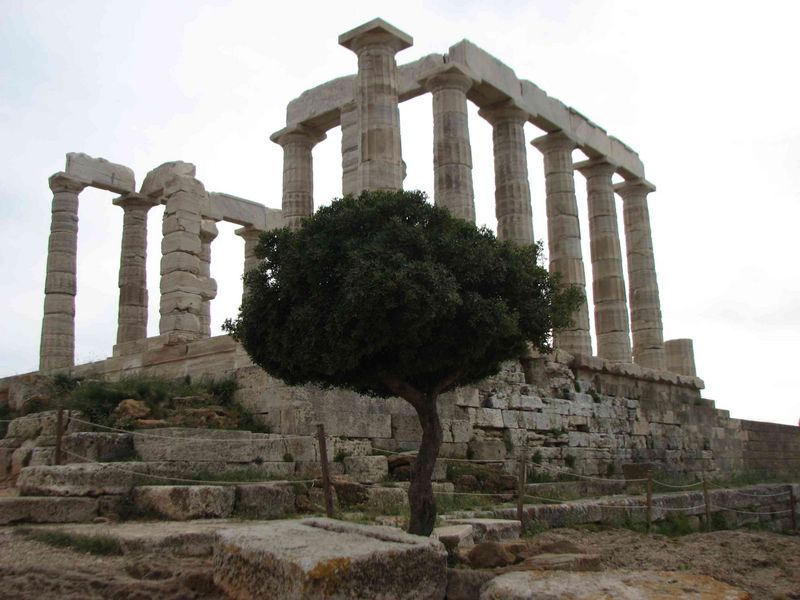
(765, 564)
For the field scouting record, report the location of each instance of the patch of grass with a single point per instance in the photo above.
(93, 544)
(448, 503)
(340, 455)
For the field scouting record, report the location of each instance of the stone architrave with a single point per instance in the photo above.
(57, 349)
(680, 356)
(133, 297)
(512, 189)
(452, 153)
(381, 158)
(351, 155)
(646, 324)
(564, 234)
(298, 172)
(208, 233)
(608, 282)
(183, 288)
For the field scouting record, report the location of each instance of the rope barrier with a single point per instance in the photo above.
(737, 492)
(677, 486)
(589, 477)
(183, 439)
(748, 512)
(184, 479)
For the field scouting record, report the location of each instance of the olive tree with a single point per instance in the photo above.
(387, 295)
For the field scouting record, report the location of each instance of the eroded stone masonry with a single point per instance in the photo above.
(638, 400)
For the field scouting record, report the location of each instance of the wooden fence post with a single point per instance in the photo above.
(649, 501)
(793, 507)
(326, 475)
(522, 475)
(706, 501)
(59, 434)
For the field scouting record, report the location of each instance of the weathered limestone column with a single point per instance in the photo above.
(57, 347)
(250, 235)
(381, 158)
(133, 297)
(680, 357)
(512, 189)
(298, 172)
(452, 153)
(351, 155)
(608, 281)
(564, 234)
(183, 290)
(646, 325)
(208, 233)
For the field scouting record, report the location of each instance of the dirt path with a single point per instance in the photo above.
(765, 564)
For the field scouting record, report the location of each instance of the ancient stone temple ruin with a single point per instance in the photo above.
(637, 400)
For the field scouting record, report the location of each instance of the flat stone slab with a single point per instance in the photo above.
(265, 500)
(491, 530)
(324, 558)
(454, 536)
(47, 510)
(184, 502)
(620, 585)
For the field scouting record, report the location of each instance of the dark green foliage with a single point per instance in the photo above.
(388, 287)
(569, 460)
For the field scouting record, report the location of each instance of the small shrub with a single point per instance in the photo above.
(340, 455)
(611, 469)
(595, 396)
(569, 460)
(288, 457)
(537, 457)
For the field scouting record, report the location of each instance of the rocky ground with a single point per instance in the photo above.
(767, 565)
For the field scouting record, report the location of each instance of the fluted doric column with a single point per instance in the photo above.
(183, 289)
(646, 325)
(250, 235)
(564, 234)
(608, 280)
(208, 233)
(298, 172)
(57, 347)
(351, 155)
(381, 158)
(512, 189)
(133, 297)
(452, 153)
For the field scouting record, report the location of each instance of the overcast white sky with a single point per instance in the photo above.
(706, 91)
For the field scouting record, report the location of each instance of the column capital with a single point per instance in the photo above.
(298, 134)
(596, 167)
(504, 111)
(449, 75)
(249, 233)
(555, 140)
(61, 182)
(208, 230)
(135, 201)
(634, 187)
(376, 32)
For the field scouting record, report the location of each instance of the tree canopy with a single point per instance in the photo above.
(385, 287)
(387, 295)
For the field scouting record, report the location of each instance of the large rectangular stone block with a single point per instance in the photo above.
(100, 173)
(322, 558)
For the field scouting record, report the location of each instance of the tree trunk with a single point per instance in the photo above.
(420, 493)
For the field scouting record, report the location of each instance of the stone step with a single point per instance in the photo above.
(47, 509)
(98, 479)
(490, 530)
(215, 445)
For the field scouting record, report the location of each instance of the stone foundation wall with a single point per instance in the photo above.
(582, 414)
